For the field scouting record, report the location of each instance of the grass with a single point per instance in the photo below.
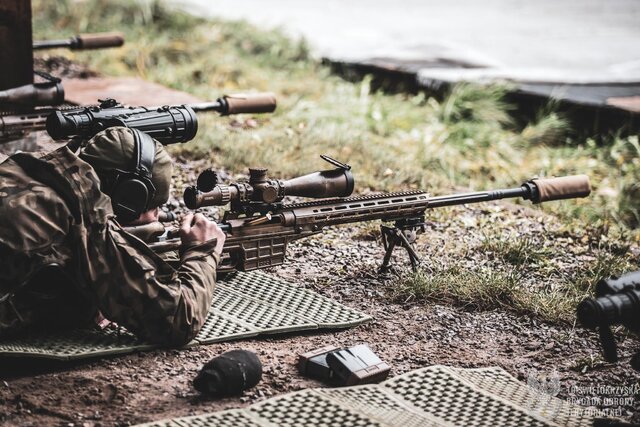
(393, 142)
(515, 250)
(517, 273)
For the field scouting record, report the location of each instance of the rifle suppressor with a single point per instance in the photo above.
(83, 41)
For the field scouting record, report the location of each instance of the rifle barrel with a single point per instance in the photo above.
(479, 196)
(51, 44)
(207, 106)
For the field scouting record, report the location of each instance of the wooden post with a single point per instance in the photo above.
(16, 44)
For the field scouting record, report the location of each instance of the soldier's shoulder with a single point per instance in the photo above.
(32, 214)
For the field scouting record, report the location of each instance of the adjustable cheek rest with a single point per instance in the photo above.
(566, 187)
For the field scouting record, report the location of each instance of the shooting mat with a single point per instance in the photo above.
(244, 305)
(433, 396)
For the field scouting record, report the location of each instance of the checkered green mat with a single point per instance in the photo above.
(433, 396)
(244, 305)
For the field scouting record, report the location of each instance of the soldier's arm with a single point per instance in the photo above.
(150, 298)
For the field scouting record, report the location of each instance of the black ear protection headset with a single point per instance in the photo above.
(132, 190)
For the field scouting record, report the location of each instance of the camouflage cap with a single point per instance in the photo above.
(113, 149)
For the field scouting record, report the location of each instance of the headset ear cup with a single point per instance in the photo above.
(129, 200)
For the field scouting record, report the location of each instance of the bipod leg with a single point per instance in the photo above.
(413, 256)
(389, 241)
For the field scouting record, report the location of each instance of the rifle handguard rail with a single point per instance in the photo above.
(565, 187)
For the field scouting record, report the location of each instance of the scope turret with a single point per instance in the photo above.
(260, 189)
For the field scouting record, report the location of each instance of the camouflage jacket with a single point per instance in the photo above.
(63, 257)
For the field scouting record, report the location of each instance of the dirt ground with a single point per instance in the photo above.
(339, 264)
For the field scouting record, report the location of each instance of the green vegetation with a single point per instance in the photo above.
(393, 142)
(515, 251)
(486, 289)
(524, 277)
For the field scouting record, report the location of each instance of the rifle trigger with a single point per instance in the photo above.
(335, 162)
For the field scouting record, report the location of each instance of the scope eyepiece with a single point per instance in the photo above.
(190, 197)
(622, 308)
(61, 126)
(588, 313)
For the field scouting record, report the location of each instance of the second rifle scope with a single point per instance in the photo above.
(168, 125)
(617, 302)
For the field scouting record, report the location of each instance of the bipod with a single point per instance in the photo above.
(404, 233)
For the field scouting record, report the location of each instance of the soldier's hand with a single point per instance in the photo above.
(196, 229)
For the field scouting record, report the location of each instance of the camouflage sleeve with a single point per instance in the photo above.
(149, 297)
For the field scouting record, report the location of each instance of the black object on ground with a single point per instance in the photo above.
(313, 364)
(344, 366)
(617, 302)
(357, 365)
(229, 374)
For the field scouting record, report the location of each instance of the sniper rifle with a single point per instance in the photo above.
(259, 225)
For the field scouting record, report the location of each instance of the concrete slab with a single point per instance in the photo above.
(578, 36)
(630, 103)
(127, 90)
(568, 44)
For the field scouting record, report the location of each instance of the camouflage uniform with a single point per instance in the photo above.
(63, 257)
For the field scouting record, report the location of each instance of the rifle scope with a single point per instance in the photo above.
(167, 124)
(260, 189)
(621, 308)
(32, 95)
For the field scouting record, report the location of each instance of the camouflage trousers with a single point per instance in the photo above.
(49, 301)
